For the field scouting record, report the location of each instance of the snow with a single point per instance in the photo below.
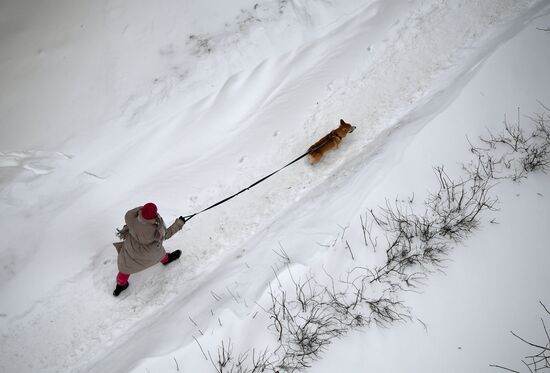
(107, 106)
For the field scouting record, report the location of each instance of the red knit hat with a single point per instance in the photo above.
(149, 211)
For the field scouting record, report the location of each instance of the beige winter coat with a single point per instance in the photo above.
(142, 246)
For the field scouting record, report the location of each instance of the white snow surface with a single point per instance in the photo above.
(108, 105)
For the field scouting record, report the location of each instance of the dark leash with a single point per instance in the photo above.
(186, 218)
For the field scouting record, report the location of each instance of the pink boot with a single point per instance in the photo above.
(121, 283)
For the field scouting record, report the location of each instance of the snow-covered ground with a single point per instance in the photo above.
(106, 106)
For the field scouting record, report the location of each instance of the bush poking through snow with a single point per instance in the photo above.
(540, 360)
(201, 44)
(318, 313)
(226, 363)
(419, 243)
(513, 154)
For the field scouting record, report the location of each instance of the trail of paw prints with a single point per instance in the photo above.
(36, 161)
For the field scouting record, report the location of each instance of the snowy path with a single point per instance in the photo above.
(382, 67)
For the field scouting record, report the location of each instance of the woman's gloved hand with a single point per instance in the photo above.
(123, 233)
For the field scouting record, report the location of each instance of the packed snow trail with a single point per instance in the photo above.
(368, 69)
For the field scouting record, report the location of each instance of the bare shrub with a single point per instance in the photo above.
(319, 313)
(539, 361)
(515, 152)
(419, 243)
(248, 362)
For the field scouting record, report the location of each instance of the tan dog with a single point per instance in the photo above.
(329, 142)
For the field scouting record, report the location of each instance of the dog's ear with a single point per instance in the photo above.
(342, 122)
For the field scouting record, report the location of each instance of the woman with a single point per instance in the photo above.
(141, 247)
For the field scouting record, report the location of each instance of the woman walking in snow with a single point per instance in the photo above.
(141, 247)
